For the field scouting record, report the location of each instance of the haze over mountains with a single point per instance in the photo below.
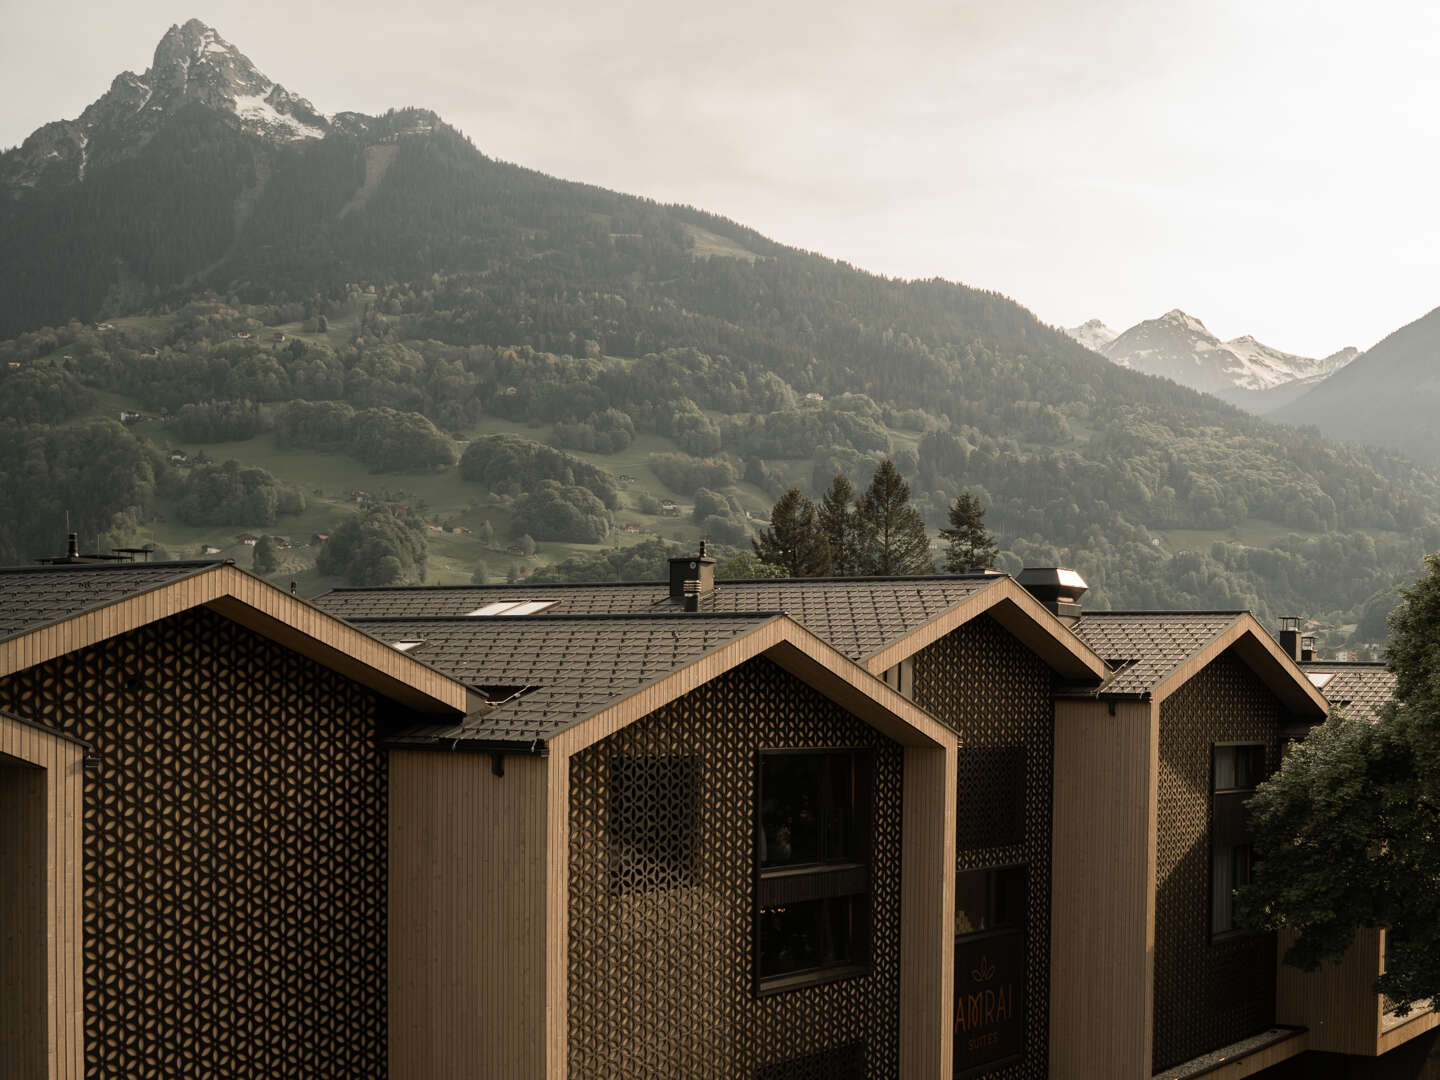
(247, 253)
(1179, 346)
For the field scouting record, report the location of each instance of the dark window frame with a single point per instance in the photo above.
(827, 879)
(1217, 798)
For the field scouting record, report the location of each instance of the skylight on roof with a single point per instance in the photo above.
(1318, 679)
(406, 646)
(513, 607)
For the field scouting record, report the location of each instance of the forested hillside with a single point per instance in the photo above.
(409, 289)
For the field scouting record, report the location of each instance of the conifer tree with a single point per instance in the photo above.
(970, 545)
(837, 523)
(890, 533)
(794, 542)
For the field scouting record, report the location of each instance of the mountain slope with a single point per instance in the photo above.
(390, 264)
(1388, 397)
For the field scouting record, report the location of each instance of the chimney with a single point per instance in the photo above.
(691, 577)
(72, 547)
(1290, 636)
(1058, 588)
(1307, 648)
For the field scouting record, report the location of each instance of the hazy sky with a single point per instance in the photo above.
(1268, 167)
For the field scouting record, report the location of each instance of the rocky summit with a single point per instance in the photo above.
(193, 65)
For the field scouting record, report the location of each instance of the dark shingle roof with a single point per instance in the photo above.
(569, 668)
(32, 597)
(1146, 646)
(1358, 688)
(857, 616)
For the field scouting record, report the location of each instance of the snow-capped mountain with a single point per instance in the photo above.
(1093, 334)
(193, 64)
(1180, 347)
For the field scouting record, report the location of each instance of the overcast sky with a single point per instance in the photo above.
(1268, 167)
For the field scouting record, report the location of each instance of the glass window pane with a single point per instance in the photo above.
(790, 786)
(989, 899)
(1224, 768)
(1249, 766)
(1222, 886)
(810, 935)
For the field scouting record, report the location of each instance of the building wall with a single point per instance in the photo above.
(467, 946)
(1207, 994)
(234, 859)
(661, 967)
(997, 694)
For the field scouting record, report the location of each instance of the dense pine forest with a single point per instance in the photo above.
(392, 295)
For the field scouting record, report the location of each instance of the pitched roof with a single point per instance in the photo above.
(32, 597)
(858, 616)
(48, 611)
(1146, 646)
(547, 673)
(1358, 688)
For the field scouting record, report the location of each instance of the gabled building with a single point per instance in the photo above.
(194, 824)
(977, 652)
(1150, 971)
(242, 837)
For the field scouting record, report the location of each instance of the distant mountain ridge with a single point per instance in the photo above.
(1179, 346)
(235, 268)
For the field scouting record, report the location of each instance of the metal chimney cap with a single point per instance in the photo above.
(1057, 582)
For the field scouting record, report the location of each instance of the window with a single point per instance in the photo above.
(812, 864)
(1235, 770)
(653, 823)
(512, 607)
(901, 678)
(989, 900)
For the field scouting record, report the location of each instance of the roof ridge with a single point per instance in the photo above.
(584, 616)
(112, 565)
(662, 584)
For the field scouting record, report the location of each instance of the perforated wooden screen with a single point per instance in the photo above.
(997, 694)
(1208, 993)
(661, 955)
(235, 863)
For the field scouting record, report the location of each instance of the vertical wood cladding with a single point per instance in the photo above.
(661, 967)
(1207, 994)
(997, 694)
(234, 853)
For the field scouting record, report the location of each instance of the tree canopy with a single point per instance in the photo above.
(794, 542)
(890, 533)
(969, 544)
(1347, 833)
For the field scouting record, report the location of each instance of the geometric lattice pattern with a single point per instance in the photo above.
(1207, 994)
(662, 979)
(842, 1063)
(655, 820)
(235, 854)
(997, 694)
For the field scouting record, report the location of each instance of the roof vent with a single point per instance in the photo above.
(1290, 640)
(699, 569)
(1058, 588)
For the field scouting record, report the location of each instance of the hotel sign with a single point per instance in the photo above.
(989, 1001)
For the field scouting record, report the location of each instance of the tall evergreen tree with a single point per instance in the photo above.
(970, 545)
(794, 541)
(837, 523)
(890, 533)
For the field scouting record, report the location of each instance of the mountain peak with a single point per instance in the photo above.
(193, 64)
(1189, 322)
